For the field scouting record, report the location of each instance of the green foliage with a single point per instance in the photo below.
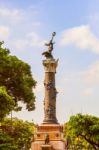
(6, 142)
(82, 131)
(16, 76)
(16, 134)
(6, 103)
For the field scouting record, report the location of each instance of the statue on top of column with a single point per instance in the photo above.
(48, 53)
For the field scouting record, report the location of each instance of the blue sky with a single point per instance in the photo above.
(25, 26)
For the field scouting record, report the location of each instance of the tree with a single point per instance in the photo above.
(16, 76)
(6, 103)
(6, 142)
(83, 130)
(16, 134)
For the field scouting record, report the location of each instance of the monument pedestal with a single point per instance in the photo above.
(55, 132)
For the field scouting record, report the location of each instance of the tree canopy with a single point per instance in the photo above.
(16, 134)
(16, 77)
(83, 131)
(6, 103)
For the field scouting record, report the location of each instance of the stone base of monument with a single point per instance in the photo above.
(55, 132)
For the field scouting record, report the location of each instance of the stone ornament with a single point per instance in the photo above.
(50, 65)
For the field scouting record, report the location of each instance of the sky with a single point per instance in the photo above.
(25, 26)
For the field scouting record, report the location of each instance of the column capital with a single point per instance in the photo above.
(50, 65)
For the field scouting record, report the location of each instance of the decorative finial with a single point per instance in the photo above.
(48, 53)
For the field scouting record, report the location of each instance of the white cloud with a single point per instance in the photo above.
(20, 44)
(35, 40)
(18, 20)
(30, 40)
(17, 15)
(36, 24)
(81, 37)
(5, 12)
(88, 77)
(85, 83)
(92, 74)
(11, 15)
(88, 92)
(79, 91)
(4, 32)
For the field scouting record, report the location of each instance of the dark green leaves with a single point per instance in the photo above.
(85, 129)
(16, 76)
(16, 134)
(6, 103)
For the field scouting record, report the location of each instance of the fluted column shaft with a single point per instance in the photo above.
(50, 91)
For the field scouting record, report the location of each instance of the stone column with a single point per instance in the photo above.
(50, 90)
